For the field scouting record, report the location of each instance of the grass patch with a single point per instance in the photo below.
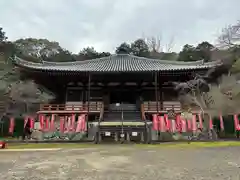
(194, 144)
(49, 145)
(161, 145)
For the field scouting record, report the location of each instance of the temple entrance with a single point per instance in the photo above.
(123, 96)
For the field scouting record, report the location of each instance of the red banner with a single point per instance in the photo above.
(62, 124)
(162, 125)
(11, 125)
(41, 120)
(189, 125)
(194, 123)
(47, 124)
(178, 124)
(31, 119)
(155, 122)
(167, 123)
(210, 122)
(221, 122)
(73, 122)
(84, 124)
(183, 125)
(81, 124)
(52, 123)
(236, 123)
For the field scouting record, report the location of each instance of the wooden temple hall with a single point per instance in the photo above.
(118, 93)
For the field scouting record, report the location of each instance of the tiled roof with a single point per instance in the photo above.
(116, 63)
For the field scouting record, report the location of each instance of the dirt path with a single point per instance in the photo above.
(122, 162)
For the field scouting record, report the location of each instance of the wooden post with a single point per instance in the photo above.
(161, 93)
(156, 92)
(89, 90)
(89, 98)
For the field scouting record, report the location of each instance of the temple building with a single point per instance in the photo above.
(118, 93)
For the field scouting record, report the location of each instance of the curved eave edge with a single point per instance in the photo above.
(118, 71)
(40, 67)
(18, 60)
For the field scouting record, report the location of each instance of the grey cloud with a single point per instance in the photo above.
(104, 24)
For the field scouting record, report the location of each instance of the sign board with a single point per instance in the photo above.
(134, 133)
(107, 134)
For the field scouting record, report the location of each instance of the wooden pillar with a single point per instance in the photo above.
(89, 91)
(89, 96)
(156, 90)
(160, 94)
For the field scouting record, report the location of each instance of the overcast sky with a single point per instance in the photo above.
(104, 24)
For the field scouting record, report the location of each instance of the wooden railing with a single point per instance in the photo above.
(67, 108)
(171, 105)
(153, 106)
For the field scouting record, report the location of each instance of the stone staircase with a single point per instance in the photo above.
(122, 119)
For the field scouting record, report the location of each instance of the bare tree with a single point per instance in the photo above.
(29, 93)
(230, 36)
(7, 75)
(170, 45)
(225, 96)
(154, 44)
(13, 90)
(211, 99)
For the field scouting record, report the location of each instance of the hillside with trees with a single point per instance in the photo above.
(37, 50)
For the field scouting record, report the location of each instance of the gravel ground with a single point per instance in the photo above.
(123, 162)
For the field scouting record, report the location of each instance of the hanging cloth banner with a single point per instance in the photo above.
(84, 124)
(31, 120)
(155, 122)
(183, 125)
(236, 123)
(11, 125)
(200, 121)
(47, 124)
(194, 123)
(167, 123)
(178, 123)
(41, 120)
(67, 124)
(189, 125)
(173, 126)
(221, 122)
(210, 122)
(62, 124)
(52, 123)
(79, 125)
(162, 125)
(73, 122)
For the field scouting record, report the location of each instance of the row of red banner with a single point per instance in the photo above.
(164, 124)
(47, 124)
(160, 123)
